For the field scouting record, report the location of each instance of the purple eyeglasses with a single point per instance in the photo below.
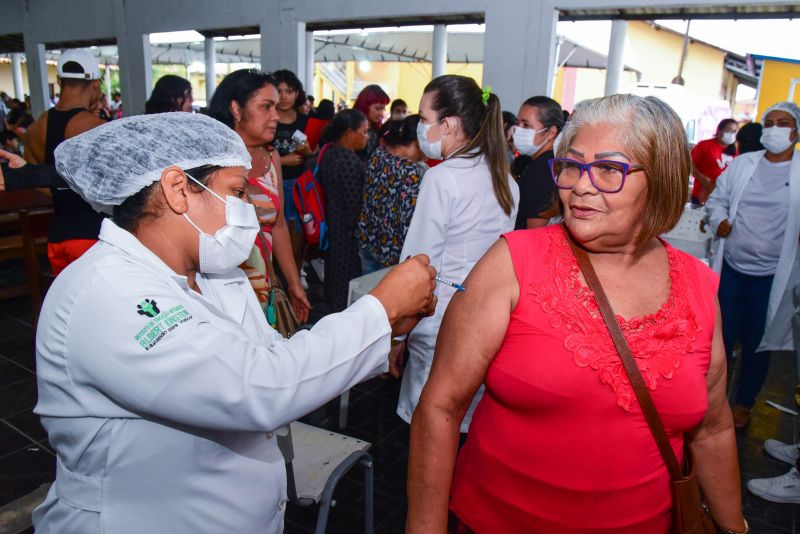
(606, 175)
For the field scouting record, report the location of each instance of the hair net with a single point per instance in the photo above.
(789, 107)
(112, 162)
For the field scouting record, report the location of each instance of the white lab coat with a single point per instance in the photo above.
(176, 437)
(723, 204)
(456, 220)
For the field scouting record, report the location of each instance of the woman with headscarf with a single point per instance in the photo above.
(160, 381)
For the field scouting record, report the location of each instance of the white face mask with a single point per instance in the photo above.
(433, 150)
(523, 140)
(776, 139)
(729, 138)
(231, 244)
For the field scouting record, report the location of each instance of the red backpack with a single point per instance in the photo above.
(309, 199)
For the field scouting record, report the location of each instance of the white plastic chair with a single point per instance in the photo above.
(686, 235)
(316, 460)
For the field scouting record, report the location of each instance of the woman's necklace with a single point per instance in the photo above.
(264, 153)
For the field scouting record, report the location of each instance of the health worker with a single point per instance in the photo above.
(160, 382)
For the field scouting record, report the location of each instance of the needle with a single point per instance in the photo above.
(446, 282)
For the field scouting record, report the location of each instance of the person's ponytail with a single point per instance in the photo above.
(481, 121)
(491, 143)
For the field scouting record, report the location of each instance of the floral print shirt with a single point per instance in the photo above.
(390, 196)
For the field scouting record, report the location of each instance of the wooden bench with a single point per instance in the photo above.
(29, 244)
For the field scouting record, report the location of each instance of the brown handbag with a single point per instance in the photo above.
(689, 514)
(285, 321)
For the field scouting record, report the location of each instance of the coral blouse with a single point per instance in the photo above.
(559, 442)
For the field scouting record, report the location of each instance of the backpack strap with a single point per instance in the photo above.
(319, 157)
(297, 194)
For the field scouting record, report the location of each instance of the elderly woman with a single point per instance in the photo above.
(160, 381)
(559, 442)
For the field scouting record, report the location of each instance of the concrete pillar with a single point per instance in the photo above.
(519, 50)
(37, 76)
(211, 67)
(16, 75)
(134, 57)
(283, 42)
(439, 50)
(309, 64)
(107, 82)
(616, 53)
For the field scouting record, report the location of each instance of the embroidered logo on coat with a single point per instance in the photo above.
(161, 323)
(148, 307)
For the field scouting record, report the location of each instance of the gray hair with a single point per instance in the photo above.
(654, 137)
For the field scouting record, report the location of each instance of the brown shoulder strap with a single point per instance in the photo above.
(634, 375)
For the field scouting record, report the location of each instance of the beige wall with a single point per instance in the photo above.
(657, 53)
(7, 83)
(399, 79)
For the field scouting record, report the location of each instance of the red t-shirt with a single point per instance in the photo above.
(558, 443)
(313, 131)
(709, 157)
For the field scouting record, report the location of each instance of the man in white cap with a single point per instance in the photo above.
(75, 224)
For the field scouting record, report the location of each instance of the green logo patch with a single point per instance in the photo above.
(160, 324)
(148, 307)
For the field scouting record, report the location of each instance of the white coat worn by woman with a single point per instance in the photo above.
(160, 380)
(723, 204)
(458, 216)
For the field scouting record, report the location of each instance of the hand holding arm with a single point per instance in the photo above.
(406, 292)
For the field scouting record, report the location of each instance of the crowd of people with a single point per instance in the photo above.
(160, 370)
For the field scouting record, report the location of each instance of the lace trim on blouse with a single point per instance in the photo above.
(657, 341)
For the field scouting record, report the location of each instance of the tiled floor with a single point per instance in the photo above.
(26, 461)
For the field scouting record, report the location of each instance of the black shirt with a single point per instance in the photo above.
(284, 144)
(73, 217)
(519, 165)
(536, 189)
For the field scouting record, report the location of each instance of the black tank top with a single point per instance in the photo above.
(73, 217)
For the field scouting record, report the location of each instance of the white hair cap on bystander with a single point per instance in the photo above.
(789, 107)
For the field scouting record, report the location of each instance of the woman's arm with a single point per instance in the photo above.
(282, 250)
(292, 159)
(463, 355)
(705, 181)
(718, 203)
(19, 175)
(713, 443)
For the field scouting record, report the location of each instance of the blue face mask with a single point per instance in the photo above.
(432, 150)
